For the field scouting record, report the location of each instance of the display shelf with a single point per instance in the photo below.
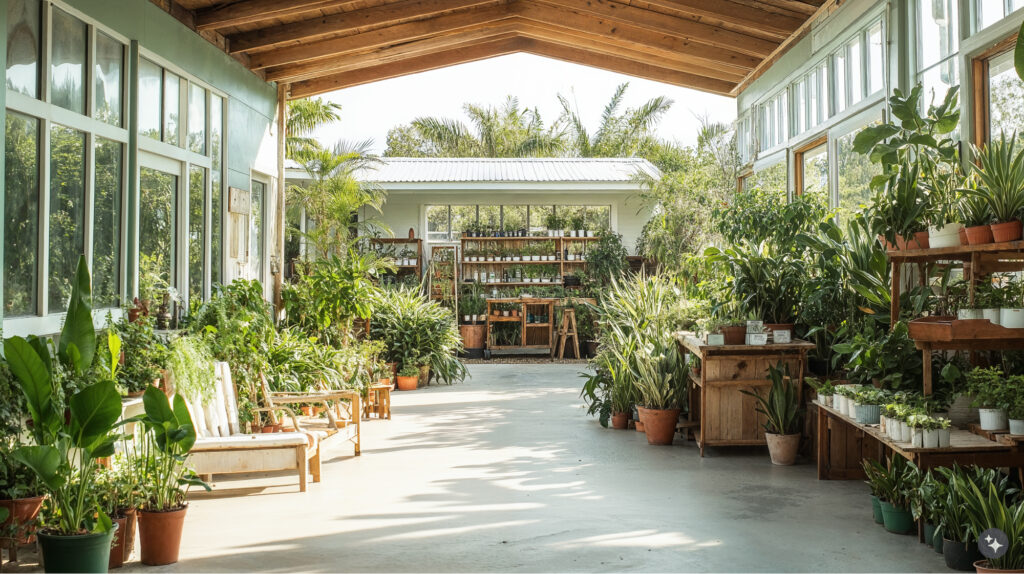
(559, 247)
(400, 269)
(532, 335)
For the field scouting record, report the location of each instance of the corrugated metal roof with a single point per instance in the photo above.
(495, 170)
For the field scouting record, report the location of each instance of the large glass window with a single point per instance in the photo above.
(108, 79)
(437, 223)
(1005, 95)
(513, 217)
(771, 178)
(813, 166)
(447, 223)
(172, 103)
(197, 118)
(106, 226)
(21, 215)
(196, 235)
(855, 171)
(150, 90)
(989, 12)
(67, 212)
(937, 45)
(256, 229)
(67, 62)
(216, 191)
(876, 58)
(23, 46)
(462, 217)
(158, 192)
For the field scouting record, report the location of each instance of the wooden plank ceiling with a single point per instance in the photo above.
(318, 46)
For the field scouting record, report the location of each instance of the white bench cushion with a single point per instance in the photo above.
(255, 441)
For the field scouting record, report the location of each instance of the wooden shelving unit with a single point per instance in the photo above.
(400, 241)
(504, 250)
(536, 335)
(444, 276)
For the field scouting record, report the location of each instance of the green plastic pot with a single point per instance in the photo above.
(929, 536)
(876, 509)
(82, 553)
(937, 541)
(896, 520)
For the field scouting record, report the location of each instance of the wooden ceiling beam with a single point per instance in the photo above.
(383, 55)
(656, 22)
(734, 13)
(636, 37)
(255, 11)
(624, 66)
(405, 67)
(347, 23)
(806, 8)
(396, 34)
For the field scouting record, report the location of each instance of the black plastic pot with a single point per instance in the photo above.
(960, 555)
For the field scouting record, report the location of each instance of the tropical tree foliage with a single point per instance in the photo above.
(621, 133)
(305, 116)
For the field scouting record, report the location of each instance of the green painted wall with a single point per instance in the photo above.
(3, 137)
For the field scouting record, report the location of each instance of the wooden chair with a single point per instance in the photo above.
(566, 331)
(343, 404)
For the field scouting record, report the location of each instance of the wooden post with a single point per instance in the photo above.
(926, 370)
(282, 123)
(894, 294)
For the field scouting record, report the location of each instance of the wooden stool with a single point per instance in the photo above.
(567, 330)
(378, 401)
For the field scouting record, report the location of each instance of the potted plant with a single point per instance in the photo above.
(987, 508)
(926, 506)
(408, 377)
(115, 489)
(67, 444)
(977, 217)
(659, 376)
(876, 479)
(1000, 169)
(1011, 315)
(899, 482)
(992, 395)
(21, 493)
(781, 408)
(144, 355)
(1015, 411)
(869, 405)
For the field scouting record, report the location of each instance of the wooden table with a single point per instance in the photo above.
(726, 416)
(531, 335)
(843, 443)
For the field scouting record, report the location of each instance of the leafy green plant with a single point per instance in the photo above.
(409, 370)
(896, 482)
(889, 357)
(145, 354)
(415, 329)
(191, 367)
(766, 280)
(606, 260)
(781, 407)
(991, 388)
(987, 508)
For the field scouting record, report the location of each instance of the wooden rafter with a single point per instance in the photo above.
(257, 11)
(744, 17)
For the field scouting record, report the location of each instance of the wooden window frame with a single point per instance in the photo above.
(798, 161)
(982, 132)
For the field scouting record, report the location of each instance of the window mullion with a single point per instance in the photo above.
(44, 215)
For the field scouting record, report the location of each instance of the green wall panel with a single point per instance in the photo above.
(3, 136)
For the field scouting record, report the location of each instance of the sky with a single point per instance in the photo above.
(369, 111)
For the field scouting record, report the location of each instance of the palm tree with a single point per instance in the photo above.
(304, 117)
(504, 131)
(622, 134)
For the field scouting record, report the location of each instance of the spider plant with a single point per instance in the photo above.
(986, 508)
(782, 404)
(1000, 170)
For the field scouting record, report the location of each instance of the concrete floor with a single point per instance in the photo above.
(505, 472)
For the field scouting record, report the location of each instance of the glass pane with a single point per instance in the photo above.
(172, 99)
(67, 63)
(196, 119)
(1005, 93)
(812, 101)
(815, 169)
(150, 82)
(490, 217)
(437, 222)
(989, 12)
(67, 213)
(876, 65)
(598, 217)
(822, 80)
(856, 78)
(106, 227)
(259, 192)
(800, 101)
(514, 217)
(840, 64)
(21, 215)
(937, 80)
(23, 47)
(216, 191)
(462, 217)
(539, 215)
(158, 193)
(938, 30)
(772, 178)
(573, 216)
(109, 63)
(855, 173)
(196, 241)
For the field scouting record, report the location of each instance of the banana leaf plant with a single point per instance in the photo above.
(69, 432)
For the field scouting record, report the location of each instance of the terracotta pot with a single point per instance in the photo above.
(160, 535)
(660, 424)
(921, 237)
(22, 511)
(620, 421)
(782, 447)
(131, 518)
(408, 383)
(734, 335)
(1007, 231)
(307, 410)
(978, 235)
(117, 545)
(885, 243)
(981, 567)
(963, 236)
(267, 429)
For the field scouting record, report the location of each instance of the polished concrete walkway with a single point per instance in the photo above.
(505, 472)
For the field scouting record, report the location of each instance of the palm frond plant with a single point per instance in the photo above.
(764, 278)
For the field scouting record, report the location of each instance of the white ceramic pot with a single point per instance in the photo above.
(931, 438)
(590, 233)
(992, 419)
(904, 432)
(466, 319)
(894, 429)
(828, 400)
(1011, 318)
(944, 438)
(969, 314)
(946, 236)
(837, 402)
(1017, 426)
(961, 413)
(851, 409)
(917, 438)
(991, 314)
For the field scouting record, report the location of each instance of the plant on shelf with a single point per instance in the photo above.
(191, 367)
(781, 409)
(888, 357)
(70, 431)
(765, 278)
(606, 261)
(993, 393)
(1000, 170)
(145, 354)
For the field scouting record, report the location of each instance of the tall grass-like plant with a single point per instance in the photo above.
(418, 331)
(986, 507)
(781, 407)
(1000, 170)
